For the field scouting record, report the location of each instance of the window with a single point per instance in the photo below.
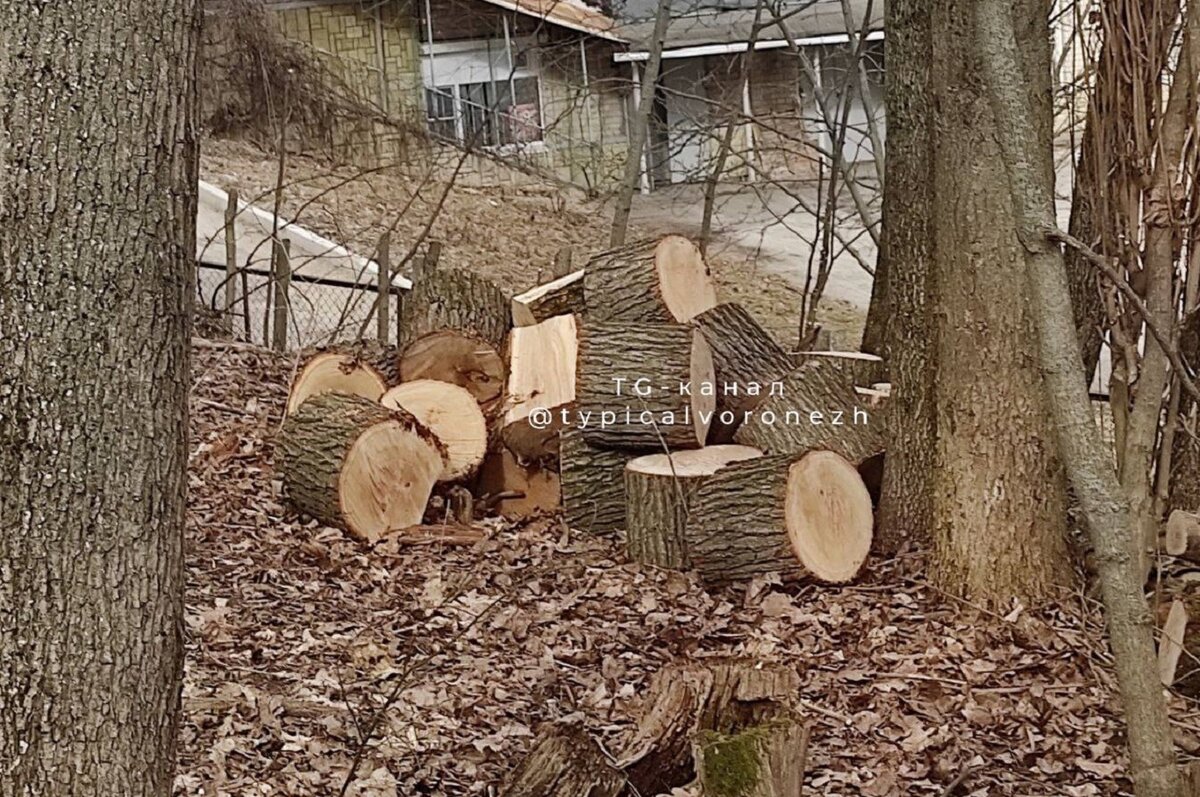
(440, 106)
(482, 99)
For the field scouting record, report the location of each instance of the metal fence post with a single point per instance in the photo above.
(283, 281)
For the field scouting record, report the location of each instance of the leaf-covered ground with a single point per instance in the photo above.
(320, 666)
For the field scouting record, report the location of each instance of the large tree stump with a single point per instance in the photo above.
(447, 298)
(746, 360)
(763, 761)
(649, 282)
(644, 387)
(793, 516)
(335, 372)
(563, 296)
(454, 417)
(689, 698)
(564, 762)
(817, 408)
(658, 496)
(353, 463)
(593, 485)
(460, 358)
(541, 382)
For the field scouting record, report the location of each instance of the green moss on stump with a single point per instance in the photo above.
(731, 763)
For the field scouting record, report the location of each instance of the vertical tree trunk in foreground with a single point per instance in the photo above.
(998, 495)
(907, 251)
(97, 214)
(1088, 463)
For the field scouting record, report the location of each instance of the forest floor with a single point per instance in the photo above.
(317, 665)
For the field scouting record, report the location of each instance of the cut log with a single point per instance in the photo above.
(564, 762)
(649, 282)
(458, 358)
(644, 387)
(358, 465)
(452, 414)
(518, 491)
(562, 296)
(859, 367)
(658, 495)
(335, 372)
(593, 484)
(541, 382)
(1170, 643)
(767, 760)
(746, 359)
(447, 298)
(817, 408)
(686, 699)
(787, 515)
(1183, 535)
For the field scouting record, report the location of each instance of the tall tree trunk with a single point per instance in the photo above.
(98, 187)
(903, 279)
(1088, 463)
(998, 495)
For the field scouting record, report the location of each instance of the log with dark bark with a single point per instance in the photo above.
(784, 514)
(766, 760)
(564, 762)
(859, 368)
(517, 490)
(562, 296)
(649, 282)
(817, 408)
(335, 372)
(353, 463)
(459, 358)
(446, 298)
(593, 486)
(689, 698)
(744, 355)
(641, 387)
(541, 382)
(658, 495)
(454, 417)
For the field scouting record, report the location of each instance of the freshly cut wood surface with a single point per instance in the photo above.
(355, 464)
(458, 358)
(1183, 535)
(860, 367)
(781, 514)
(649, 282)
(658, 494)
(541, 380)
(334, 372)
(452, 414)
(530, 488)
(670, 363)
(562, 296)
(593, 485)
(1171, 641)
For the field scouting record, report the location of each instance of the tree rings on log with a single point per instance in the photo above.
(793, 516)
(518, 490)
(658, 495)
(593, 484)
(645, 387)
(358, 465)
(541, 381)
(458, 358)
(335, 372)
(649, 282)
(563, 296)
(453, 415)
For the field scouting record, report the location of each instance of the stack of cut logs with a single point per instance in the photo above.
(623, 394)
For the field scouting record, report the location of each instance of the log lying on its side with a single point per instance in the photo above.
(447, 298)
(649, 282)
(563, 296)
(353, 463)
(335, 372)
(859, 367)
(541, 381)
(746, 360)
(459, 358)
(640, 386)
(658, 496)
(454, 417)
(518, 490)
(817, 408)
(593, 486)
(564, 762)
(766, 760)
(782, 514)
(1183, 535)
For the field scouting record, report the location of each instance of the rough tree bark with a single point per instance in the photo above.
(907, 278)
(1024, 147)
(998, 495)
(98, 179)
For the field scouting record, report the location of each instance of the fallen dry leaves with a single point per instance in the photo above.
(297, 636)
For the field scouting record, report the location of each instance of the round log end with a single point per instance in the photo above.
(453, 415)
(331, 372)
(458, 358)
(683, 278)
(386, 479)
(828, 516)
